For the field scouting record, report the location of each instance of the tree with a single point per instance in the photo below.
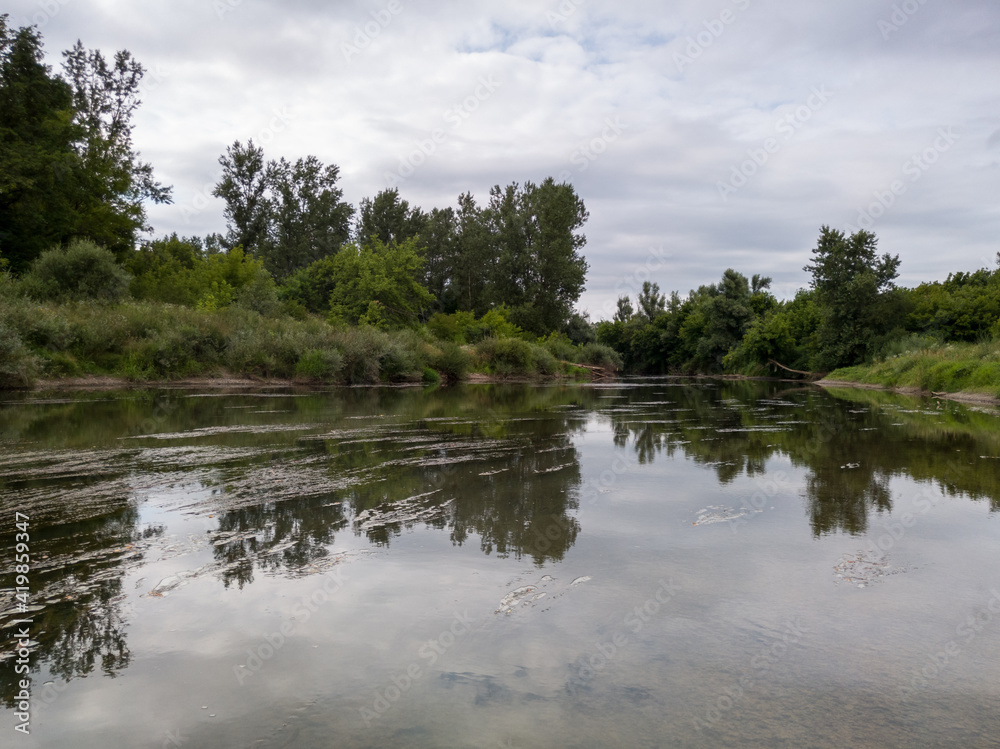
(388, 219)
(116, 184)
(310, 220)
(854, 291)
(625, 311)
(651, 301)
(538, 269)
(350, 282)
(67, 164)
(244, 185)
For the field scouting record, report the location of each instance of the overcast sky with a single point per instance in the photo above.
(701, 135)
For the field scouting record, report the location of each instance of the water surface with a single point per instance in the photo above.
(657, 562)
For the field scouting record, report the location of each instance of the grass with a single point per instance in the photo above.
(145, 341)
(951, 368)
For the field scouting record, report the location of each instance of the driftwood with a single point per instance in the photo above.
(812, 375)
(598, 372)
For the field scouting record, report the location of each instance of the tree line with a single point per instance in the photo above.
(69, 173)
(852, 312)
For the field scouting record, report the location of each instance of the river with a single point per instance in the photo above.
(644, 563)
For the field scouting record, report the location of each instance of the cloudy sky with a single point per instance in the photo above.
(701, 134)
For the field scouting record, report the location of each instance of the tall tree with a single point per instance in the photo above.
(116, 183)
(854, 291)
(388, 219)
(68, 167)
(310, 220)
(538, 269)
(651, 301)
(243, 185)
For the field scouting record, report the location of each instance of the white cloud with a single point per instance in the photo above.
(563, 69)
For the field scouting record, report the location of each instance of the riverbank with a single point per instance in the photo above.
(966, 372)
(141, 344)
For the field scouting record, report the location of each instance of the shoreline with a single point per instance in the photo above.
(97, 383)
(974, 399)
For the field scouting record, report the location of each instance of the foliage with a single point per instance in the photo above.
(68, 168)
(78, 272)
(936, 367)
(599, 355)
(452, 361)
(18, 366)
(506, 356)
(855, 293)
(289, 214)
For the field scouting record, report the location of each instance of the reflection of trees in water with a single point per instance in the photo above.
(82, 626)
(515, 493)
(852, 448)
(292, 534)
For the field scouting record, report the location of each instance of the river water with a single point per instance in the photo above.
(645, 563)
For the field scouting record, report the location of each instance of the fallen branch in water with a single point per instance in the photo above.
(817, 375)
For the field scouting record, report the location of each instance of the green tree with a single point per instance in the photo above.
(855, 294)
(116, 184)
(538, 269)
(388, 219)
(651, 301)
(244, 186)
(310, 220)
(67, 163)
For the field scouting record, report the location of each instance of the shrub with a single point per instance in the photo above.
(431, 377)
(81, 271)
(544, 362)
(452, 361)
(362, 350)
(319, 364)
(600, 355)
(560, 346)
(507, 356)
(18, 366)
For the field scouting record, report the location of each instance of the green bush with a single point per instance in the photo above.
(507, 356)
(600, 355)
(431, 377)
(560, 346)
(543, 360)
(18, 366)
(81, 271)
(452, 361)
(319, 364)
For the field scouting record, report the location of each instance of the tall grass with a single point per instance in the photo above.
(928, 365)
(150, 340)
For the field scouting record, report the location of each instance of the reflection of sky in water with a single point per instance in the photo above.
(327, 569)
